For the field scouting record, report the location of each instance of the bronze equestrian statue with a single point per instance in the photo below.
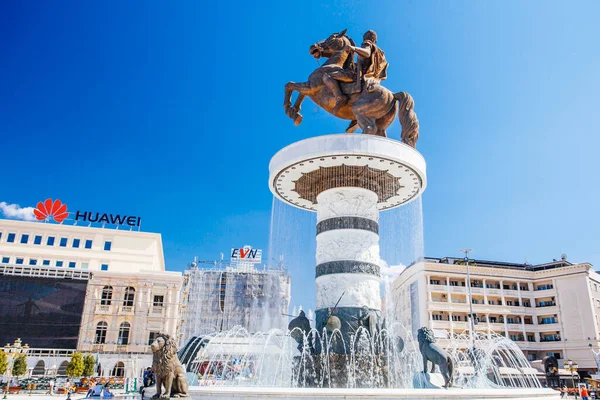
(352, 92)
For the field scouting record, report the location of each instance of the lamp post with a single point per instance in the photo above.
(470, 300)
(572, 366)
(13, 351)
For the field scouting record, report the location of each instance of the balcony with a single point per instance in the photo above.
(510, 292)
(496, 327)
(555, 327)
(157, 311)
(126, 310)
(458, 289)
(438, 288)
(514, 327)
(440, 324)
(103, 309)
(122, 348)
(493, 291)
(98, 347)
(477, 290)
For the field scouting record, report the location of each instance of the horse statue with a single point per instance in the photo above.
(372, 109)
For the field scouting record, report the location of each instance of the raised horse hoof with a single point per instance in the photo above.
(298, 119)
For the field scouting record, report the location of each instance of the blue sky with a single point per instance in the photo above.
(171, 111)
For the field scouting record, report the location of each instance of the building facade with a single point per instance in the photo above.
(128, 296)
(220, 298)
(547, 309)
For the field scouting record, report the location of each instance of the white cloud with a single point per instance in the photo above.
(16, 211)
(392, 271)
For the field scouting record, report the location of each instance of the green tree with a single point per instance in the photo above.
(20, 365)
(76, 366)
(3, 362)
(88, 365)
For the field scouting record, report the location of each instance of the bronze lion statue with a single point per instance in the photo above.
(170, 374)
(431, 351)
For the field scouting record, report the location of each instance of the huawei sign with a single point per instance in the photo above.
(51, 209)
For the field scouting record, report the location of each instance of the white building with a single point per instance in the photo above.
(129, 297)
(219, 298)
(547, 309)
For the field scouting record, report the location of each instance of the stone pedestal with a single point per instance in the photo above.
(347, 180)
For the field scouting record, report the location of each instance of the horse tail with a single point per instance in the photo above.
(408, 118)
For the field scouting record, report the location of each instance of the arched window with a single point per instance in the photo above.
(62, 369)
(124, 333)
(119, 370)
(39, 369)
(107, 292)
(129, 297)
(101, 330)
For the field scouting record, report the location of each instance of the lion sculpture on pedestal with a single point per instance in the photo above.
(170, 374)
(431, 351)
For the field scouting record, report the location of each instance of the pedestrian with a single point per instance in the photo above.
(51, 384)
(584, 393)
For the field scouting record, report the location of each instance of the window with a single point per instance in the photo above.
(434, 282)
(119, 370)
(5, 260)
(124, 333)
(158, 301)
(32, 261)
(453, 283)
(50, 241)
(107, 245)
(37, 239)
(106, 298)
(11, 238)
(24, 238)
(456, 318)
(19, 261)
(531, 338)
(151, 337)
(76, 243)
(59, 263)
(85, 265)
(88, 244)
(72, 264)
(101, 330)
(63, 242)
(491, 302)
(46, 262)
(0, 235)
(129, 297)
(104, 267)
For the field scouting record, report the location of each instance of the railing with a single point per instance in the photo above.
(98, 347)
(514, 327)
(438, 288)
(510, 292)
(157, 310)
(122, 348)
(458, 289)
(103, 308)
(493, 291)
(127, 309)
(546, 304)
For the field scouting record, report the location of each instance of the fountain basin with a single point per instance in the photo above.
(242, 393)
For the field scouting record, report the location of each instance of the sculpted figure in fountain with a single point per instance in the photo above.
(431, 351)
(170, 374)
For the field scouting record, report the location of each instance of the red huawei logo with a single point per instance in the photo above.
(48, 208)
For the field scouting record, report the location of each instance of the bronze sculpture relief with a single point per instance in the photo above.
(352, 91)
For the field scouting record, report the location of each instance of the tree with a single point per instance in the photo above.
(76, 366)
(88, 365)
(3, 362)
(20, 365)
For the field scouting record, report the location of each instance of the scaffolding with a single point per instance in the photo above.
(218, 296)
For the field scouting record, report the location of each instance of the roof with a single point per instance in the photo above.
(502, 264)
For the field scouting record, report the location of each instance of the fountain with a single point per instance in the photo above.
(352, 349)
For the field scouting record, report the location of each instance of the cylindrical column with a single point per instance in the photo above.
(348, 263)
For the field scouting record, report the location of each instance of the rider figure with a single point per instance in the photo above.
(331, 79)
(372, 66)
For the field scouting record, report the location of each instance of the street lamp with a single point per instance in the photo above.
(572, 366)
(470, 300)
(12, 351)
